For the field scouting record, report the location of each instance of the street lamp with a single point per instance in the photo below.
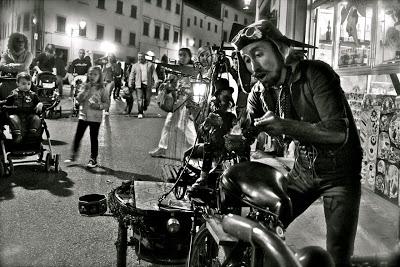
(81, 26)
(191, 42)
(247, 5)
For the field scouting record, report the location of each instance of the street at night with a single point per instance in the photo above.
(149, 133)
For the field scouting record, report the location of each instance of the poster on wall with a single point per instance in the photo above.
(388, 156)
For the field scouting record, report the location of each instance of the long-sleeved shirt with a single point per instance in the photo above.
(25, 101)
(80, 66)
(135, 77)
(15, 63)
(96, 94)
(316, 97)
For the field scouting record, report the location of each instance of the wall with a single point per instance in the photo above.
(164, 18)
(195, 32)
(227, 22)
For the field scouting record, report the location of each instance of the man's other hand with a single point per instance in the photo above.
(270, 123)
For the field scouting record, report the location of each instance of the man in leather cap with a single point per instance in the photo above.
(304, 102)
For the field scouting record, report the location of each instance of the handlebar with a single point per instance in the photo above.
(253, 232)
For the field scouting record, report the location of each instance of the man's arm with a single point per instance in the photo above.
(131, 80)
(329, 102)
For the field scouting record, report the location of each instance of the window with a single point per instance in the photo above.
(19, 24)
(209, 26)
(118, 35)
(200, 43)
(187, 42)
(225, 13)
(225, 36)
(208, 43)
(245, 21)
(133, 11)
(194, 42)
(146, 26)
(132, 38)
(82, 32)
(120, 6)
(195, 20)
(157, 29)
(99, 32)
(176, 36)
(166, 33)
(236, 17)
(100, 4)
(216, 28)
(148, 1)
(168, 7)
(60, 23)
(188, 22)
(178, 8)
(201, 23)
(159, 3)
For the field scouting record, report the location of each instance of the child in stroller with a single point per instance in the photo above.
(24, 122)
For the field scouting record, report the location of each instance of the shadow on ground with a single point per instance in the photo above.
(33, 177)
(123, 175)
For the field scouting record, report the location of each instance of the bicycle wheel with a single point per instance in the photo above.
(205, 249)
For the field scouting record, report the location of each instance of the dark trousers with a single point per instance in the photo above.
(129, 104)
(141, 96)
(94, 128)
(117, 89)
(341, 206)
(19, 124)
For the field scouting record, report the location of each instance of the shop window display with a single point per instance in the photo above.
(324, 34)
(388, 32)
(355, 19)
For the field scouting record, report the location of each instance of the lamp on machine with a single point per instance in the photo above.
(199, 89)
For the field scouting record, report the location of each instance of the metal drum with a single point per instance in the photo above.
(159, 235)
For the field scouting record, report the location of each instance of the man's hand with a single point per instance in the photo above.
(270, 123)
(94, 105)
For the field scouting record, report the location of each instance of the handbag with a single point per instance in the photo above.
(166, 100)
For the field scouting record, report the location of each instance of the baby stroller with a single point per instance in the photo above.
(46, 89)
(29, 146)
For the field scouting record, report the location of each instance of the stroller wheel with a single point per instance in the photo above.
(57, 163)
(47, 163)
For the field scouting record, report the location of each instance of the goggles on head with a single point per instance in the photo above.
(252, 33)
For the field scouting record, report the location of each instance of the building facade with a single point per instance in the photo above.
(231, 14)
(123, 27)
(199, 28)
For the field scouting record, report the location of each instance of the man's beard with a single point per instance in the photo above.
(270, 78)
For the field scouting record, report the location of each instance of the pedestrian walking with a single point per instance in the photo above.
(93, 99)
(143, 77)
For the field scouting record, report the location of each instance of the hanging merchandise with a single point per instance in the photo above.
(387, 170)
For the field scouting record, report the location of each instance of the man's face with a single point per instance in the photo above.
(141, 58)
(81, 54)
(263, 61)
(24, 84)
